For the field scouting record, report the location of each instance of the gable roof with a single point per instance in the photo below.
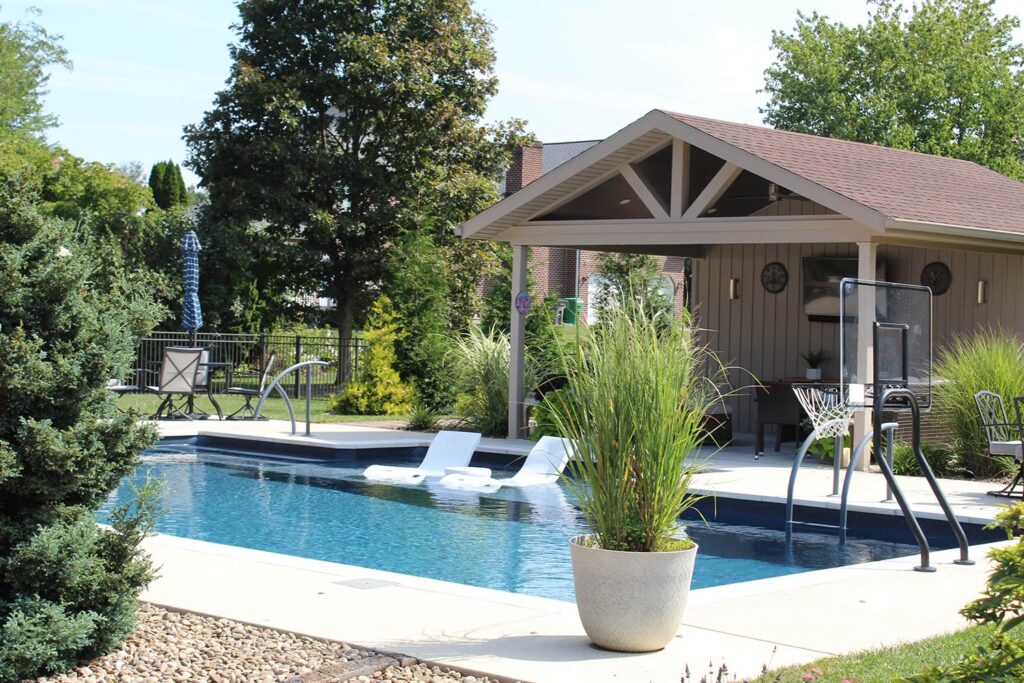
(877, 186)
(897, 183)
(557, 153)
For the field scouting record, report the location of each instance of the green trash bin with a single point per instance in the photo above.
(573, 309)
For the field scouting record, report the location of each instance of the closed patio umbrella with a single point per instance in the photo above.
(191, 313)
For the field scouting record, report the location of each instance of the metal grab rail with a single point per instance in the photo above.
(907, 397)
(276, 384)
(888, 428)
(797, 461)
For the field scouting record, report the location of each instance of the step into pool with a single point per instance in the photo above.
(513, 539)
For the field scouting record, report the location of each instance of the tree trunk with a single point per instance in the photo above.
(344, 311)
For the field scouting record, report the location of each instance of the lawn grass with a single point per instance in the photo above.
(885, 664)
(274, 408)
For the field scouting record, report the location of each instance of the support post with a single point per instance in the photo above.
(517, 343)
(867, 269)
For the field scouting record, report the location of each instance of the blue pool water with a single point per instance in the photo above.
(513, 540)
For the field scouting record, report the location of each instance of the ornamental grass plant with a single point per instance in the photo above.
(480, 361)
(636, 399)
(991, 360)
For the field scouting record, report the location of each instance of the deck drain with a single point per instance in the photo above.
(366, 584)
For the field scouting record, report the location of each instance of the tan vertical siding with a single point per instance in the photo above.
(765, 333)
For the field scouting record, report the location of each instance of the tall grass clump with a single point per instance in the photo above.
(992, 360)
(480, 362)
(635, 401)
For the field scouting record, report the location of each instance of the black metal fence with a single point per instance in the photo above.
(249, 353)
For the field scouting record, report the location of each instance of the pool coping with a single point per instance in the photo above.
(527, 638)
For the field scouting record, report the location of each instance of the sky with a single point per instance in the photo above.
(573, 69)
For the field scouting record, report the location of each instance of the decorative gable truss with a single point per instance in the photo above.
(660, 182)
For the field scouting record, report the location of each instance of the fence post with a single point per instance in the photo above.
(298, 359)
(354, 370)
(263, 353)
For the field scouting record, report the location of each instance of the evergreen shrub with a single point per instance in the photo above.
(68, 588)
(377, 388)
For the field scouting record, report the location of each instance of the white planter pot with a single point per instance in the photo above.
(630, 602)
(814, 373)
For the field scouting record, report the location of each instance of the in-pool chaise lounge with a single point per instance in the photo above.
(544, 463)
(448, 449)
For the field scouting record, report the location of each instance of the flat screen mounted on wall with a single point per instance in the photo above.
(821, 285)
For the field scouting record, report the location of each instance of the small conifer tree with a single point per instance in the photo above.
(68, 588)
(377, 388)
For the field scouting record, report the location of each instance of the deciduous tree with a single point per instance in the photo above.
(944, 77)
(340, 121)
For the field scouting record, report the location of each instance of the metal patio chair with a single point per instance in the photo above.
(178, 370)
(249, 393)
(1004, 438)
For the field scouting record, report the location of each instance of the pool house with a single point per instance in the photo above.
(770, 221)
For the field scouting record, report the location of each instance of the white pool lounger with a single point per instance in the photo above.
(543, 465)
(448, 449)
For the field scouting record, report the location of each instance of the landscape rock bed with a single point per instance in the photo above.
(179, 647)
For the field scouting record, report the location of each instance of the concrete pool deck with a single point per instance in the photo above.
(771, 622)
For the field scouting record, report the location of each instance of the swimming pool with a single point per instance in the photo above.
(514, 539)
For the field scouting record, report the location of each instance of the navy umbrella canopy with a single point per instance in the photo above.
(191, 313)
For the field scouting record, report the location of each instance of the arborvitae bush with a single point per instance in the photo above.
(68, 588)
(377, 388)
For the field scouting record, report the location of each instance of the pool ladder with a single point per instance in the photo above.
(906, 398)
(276, 384)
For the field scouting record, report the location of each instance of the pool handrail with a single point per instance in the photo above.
(890, 440)
(276, 384)
(907, 398)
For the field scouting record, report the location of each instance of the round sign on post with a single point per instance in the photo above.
(523, 302)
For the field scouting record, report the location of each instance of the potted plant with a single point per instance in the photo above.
(815, 359)
(635, 401)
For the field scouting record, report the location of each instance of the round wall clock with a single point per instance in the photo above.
(774, 277)
(936, 275)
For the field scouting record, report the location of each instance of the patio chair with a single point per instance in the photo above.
(543, 465)
(1004, 438)
(178, 370)
(250, 393)
(778, 406)
(203, 378)
(448, 449)
(120, 387)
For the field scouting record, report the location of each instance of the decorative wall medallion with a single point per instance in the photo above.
(937, 276)
(523, 302)
(774, 277)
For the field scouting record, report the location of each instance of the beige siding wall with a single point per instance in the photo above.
(765, 333)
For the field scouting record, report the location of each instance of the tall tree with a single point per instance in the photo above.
(943, 78)
(167, 185)
(157, 183)
(27, 52)
(338, 121)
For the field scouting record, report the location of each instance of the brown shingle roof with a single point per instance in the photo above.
(897, 183)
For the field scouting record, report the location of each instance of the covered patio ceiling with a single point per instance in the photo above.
(673, 184)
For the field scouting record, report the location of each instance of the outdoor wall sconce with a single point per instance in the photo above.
(734, 289)
(982, 292)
